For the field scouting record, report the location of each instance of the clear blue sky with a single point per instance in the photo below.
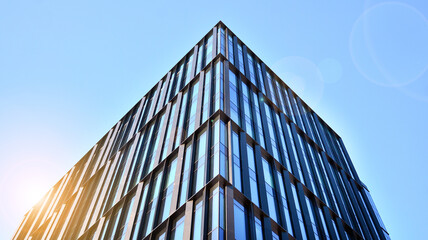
(69, 71)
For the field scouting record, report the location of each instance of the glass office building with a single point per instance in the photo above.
(219, 148)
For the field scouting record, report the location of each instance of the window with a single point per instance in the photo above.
(306, 163)
(167, 191)
(168, 132)
(113, 223)
(368, 213)
(240, 219)
(275, 236)
(178, 79)
(261, 79)
(280, 97)
(251, 68)
(208, 50)
(185, 175)
(146, 137)
(200, 161)
(299, 115)
(241, 59)
(259, 229)
(147, 107)
(206, 99)
(200, 55)
(113, 195)
(151, 206)
(221, 41)
(290, 113)
(234, 98)
(216, 218)
(237, 181)
(230, 48)
(160, 104)
(197, 220)
(188, 71)
(124, 131)
(314, 126)
(161, 236)
(296, 158)
(190, 122)
(312, 217)
(335, 229)
(330, 189)
(253, 175)
(171, 85)
(286, 162)
(311, 151)
(324, 225)
(177, 231)
(270, 190)
(139, 215)
(219, 150)
(129, 181)
(181, 120)
(271, 89)
(150, 161)
(309, 129)
(272, 132)
(247, 110)
(218, 86)
(125, 219)
(299, 212)
(285, 203)
(259, 120)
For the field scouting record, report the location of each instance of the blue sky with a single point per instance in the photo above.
(70, 70)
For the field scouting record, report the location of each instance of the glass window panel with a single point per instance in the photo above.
(259, 229)
(240, 220)
(197, 221)
(200, 160)
(185, 175)
(236, 162)
(178, 229)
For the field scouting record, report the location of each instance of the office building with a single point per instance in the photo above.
(219, 148)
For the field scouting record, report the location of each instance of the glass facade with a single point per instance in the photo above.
(220, 148)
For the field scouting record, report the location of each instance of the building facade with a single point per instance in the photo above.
(219, 148)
